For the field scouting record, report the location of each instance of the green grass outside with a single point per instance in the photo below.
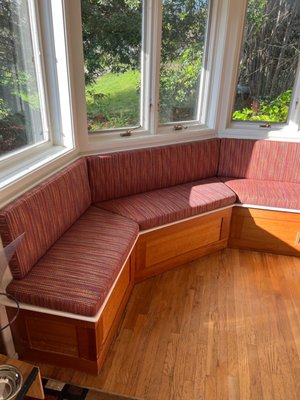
(113, 101)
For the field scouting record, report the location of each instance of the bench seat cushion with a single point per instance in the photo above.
(266, 193)
(44, 214)
(77, 272)
(171, 204)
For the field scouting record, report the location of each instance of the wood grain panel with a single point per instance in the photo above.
(111, 309)
(170, 246)
(183, 241)
(70, 342)
(265, 230)
(56, 337)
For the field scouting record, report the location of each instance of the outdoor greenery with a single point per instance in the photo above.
(179, 87)
(267, 110)
(112, 45)
(112, 41)
(18, 86)
(113, 99)
(269, 60)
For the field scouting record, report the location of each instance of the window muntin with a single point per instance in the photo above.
(22, 113)
(269, 60)
(112, 43)
(182, 54)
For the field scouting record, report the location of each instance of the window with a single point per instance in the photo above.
(112, 37)
(143, 63)
(269, 62)
(35, 103)
(182, 53)
(23, 119)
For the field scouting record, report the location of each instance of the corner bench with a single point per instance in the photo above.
(265, 175)
(109, 220)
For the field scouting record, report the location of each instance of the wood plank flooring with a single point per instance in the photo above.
(226, 326)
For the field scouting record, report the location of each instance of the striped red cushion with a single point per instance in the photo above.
(125, 173)
(44, 214)
(266, 193)
(76, 274)
(260, 159)
(167, 205)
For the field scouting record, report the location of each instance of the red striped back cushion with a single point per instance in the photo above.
(44, 214)
(121, 174)
(260, 159)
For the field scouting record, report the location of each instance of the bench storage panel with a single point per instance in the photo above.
(66, 342)
(174, 245)
(70, 342)
(265, 230)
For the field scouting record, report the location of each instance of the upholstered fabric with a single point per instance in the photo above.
(171, 204)
(44, 214)
(266, 193)
(125, 173)
(76, 274)
(260, 159)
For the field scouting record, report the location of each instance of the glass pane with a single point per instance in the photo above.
(182, 50)
(20, 115)
(269, 61)
(112, 39)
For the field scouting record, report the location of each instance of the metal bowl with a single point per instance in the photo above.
(11, 381)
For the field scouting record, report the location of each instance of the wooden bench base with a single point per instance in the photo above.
(265, 230)
(82, 345)
(174, 245)
(68, 342)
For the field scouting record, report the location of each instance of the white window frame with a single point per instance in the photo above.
(289, 131)
(28, 164)
(151, 133)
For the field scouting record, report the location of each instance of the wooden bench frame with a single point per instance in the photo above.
(82, 343)
(268, 230)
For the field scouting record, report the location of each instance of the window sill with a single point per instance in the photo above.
(254, 131)
(16, 178)
(103, 142)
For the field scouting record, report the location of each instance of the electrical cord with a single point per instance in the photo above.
(9, 296)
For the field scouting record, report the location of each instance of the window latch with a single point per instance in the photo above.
(179, 127)
(129, 131)
(267, 125)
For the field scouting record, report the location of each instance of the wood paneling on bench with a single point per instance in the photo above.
(171, 246)
(71, 342)
(265, 230)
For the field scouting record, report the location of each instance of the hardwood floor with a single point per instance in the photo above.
(226, 326)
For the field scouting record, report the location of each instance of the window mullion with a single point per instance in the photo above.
(294, 117)
(203, 87)
(39, 64)
(154, 20)
(232, 10)
(50, 75)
